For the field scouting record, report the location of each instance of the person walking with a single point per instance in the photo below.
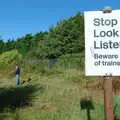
(17, 73)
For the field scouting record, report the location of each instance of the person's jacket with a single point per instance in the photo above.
(17, 72)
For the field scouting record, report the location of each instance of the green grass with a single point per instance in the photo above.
(59, 98)
(52, 94)
(72, 60)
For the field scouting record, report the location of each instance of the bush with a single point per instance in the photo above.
(7, 58)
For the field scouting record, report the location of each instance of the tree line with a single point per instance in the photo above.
(66, 37)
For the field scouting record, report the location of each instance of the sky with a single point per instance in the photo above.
(20, 17)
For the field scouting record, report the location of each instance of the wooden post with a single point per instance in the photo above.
(108, 98)
(108, 92)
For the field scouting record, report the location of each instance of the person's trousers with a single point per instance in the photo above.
(17, 79)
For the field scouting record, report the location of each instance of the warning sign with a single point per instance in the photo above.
(102, 43)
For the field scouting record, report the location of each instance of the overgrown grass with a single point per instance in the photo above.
(59, 99)
(72, 61)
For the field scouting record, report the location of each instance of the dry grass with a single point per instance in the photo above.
(60, 97)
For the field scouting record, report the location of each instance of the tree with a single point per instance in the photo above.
(2, 46)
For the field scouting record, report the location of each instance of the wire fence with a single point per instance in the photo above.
(75, 63)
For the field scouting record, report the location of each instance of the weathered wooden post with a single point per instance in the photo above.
(108, 98)
(108, 92)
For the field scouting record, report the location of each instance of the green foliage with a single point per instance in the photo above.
(2, 46)
(24, 44)
(10, 45)
(7, 58)
(117, 107)
(66, 37)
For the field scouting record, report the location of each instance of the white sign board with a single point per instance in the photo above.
(102, 43)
